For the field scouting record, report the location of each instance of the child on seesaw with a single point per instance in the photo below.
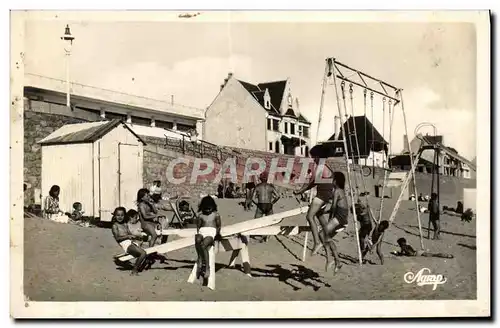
(407, 250)
(127, 240)
(208, 230)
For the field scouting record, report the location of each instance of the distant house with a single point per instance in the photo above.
(370, 149)
(451, 163)
(260, 116)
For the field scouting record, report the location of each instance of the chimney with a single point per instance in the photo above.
(405, 144)
(229, 75)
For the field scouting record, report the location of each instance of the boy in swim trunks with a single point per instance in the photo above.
(249, 189)
(208, 230)
(434, 215)
(127, 240)
(407, 250)
(267, 196)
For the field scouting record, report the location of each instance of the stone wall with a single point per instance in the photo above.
(36, 127)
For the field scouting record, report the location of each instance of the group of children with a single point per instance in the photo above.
(133, 228)
(330, 206)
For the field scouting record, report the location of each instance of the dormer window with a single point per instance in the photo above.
(267, 99)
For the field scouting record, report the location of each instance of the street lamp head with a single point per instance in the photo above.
(67, 35)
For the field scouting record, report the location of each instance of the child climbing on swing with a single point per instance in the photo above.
(375, 241)
(363, 215)
(208, 230)
(407, 250)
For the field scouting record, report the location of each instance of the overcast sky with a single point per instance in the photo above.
(435, 64)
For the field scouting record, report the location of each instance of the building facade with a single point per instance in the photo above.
(261, 116)
(451, 163)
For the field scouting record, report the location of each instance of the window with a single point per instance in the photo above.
(277, 148)
(338, 150)
(307, 151)
(141, 121)
(301, 151)
(286, 127)
(112, 116)
(164, 124)
(276, 125)
(292, 128)
(269, 122)
(270, 146)
(305, 132)
(185, 127)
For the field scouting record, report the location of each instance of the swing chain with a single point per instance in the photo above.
(350, 89)
(342, 86)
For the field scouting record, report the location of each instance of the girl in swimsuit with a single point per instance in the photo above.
(127, 240)
(148, 214)
(208, 229)
(324, 195)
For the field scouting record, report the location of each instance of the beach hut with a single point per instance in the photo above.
(98, 164)
(470, 199)
(394, 185)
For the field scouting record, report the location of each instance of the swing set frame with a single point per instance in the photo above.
(395, 96)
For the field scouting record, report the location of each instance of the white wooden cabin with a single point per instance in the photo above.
(98, 164)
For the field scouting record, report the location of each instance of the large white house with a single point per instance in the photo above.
(261, 116)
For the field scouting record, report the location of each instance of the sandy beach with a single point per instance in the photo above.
(64, 262)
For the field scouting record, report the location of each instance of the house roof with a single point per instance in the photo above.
(303, 119)
(276, 91)
(452, 152)
(83, 133)
(404, 159)
(369, 139)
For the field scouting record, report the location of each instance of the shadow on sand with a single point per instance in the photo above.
(298, 275)
(473, 247)
(425, 231)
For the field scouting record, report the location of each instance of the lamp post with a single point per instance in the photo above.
(68, 38)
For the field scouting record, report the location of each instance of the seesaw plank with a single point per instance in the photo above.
(278, 230)
(237, 228)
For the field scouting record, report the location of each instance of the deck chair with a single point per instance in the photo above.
(181, 218)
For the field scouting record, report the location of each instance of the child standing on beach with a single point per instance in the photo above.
(434, 215)
(208, 230)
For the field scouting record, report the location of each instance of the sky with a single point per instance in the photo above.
(434, 64)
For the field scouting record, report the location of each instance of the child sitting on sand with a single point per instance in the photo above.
(375, 241)
(407, 250)
(127, 240)
(208, 229)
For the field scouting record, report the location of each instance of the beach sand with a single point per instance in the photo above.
(64, 262)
